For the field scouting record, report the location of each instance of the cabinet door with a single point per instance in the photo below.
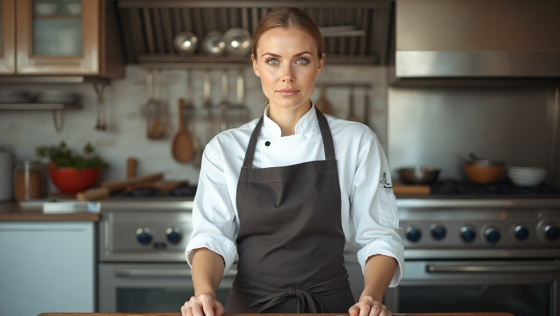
(47, 267)
(54, 38)
(7, 37)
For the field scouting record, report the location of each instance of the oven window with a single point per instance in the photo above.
(520, 300)
(135, 300)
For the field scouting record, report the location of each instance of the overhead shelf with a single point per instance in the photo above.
(53, 79)
(39, 106)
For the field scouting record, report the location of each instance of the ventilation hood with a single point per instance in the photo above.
(477, 39)
(357, 31)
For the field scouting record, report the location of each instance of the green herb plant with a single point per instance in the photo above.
(63, 157)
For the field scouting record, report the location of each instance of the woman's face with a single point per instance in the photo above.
(287, 64)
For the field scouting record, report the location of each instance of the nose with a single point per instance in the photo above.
(287, 73)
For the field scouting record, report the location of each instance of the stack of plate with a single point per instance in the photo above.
(57, 96)
(9, 96)
(526, 176)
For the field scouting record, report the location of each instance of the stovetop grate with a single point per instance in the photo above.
(501, 189)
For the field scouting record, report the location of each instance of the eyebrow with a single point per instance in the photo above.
(296, 55)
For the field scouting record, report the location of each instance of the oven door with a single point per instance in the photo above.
(515, 286)
(150, 288)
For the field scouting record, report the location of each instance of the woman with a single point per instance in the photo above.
(288, 191)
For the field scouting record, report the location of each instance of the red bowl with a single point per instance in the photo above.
(72, 180)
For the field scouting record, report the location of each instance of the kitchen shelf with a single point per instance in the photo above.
(39, 106)
(53, 79)
(173, 61)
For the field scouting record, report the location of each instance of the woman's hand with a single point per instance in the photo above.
(368, 306)
(201, 305)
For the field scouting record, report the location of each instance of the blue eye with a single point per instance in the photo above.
(272, 61)
(303, 61)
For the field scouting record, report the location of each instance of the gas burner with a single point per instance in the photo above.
(500, 189)
(184, 191)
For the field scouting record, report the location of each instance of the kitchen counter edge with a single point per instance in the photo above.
(12, 212)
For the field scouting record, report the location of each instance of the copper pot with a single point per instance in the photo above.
(484, 171)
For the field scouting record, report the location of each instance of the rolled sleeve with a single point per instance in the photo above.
(374, 214)
(216, 243)
(213, 215)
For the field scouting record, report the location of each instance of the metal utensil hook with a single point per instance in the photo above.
(99, 91)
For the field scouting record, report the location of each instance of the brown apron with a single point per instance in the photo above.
(290, 241)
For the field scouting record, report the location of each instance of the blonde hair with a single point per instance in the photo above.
(289, 17)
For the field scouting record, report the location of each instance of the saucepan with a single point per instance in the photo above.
(483, 171)
(418, 175)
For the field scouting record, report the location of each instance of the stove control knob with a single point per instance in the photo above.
(492, 234)
(143, 236)
(173, 235)
(551, 232)
(413, 234)
(438, 232)
(521, 233)
(468, 234)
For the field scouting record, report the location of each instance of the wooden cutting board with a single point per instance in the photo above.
(271, 314)
(410, 189)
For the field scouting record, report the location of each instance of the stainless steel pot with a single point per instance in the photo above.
(418, 175)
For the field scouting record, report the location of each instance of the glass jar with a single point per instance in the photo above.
(29, 181)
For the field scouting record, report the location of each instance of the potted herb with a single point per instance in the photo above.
(72, 172)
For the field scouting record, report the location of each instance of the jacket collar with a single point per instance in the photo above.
(308, 122)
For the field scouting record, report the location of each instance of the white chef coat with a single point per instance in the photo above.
(369, 210)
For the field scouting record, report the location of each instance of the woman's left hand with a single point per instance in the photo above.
(368, 306)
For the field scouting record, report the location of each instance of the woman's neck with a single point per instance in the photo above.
(288, 118)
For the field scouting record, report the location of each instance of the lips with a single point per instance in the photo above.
(288, 92)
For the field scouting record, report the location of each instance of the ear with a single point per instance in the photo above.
(321, 64)
(255, 68)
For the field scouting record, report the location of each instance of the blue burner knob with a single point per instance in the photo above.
(468, 234)
(143, 236)
(492, 235)
(173, 235)
(521, 233)
(413, 234)
(439, 232)
(552, 232)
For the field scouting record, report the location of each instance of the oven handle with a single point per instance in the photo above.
(485, 268)
(156, 273)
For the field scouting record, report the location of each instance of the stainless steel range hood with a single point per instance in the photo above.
(477, 39)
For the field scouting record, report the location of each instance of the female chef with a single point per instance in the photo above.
(287, 192)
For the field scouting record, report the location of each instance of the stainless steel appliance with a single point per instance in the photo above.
(472, 248)
(142, 241)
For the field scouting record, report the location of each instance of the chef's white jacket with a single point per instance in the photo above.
(369, 211)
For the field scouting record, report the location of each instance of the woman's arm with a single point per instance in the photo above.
(207, 271)
(378, 273)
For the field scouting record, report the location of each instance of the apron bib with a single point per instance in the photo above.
(290, 241)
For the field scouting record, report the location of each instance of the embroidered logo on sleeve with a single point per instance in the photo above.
(383, 183)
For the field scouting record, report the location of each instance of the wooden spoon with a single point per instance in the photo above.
(182, 144)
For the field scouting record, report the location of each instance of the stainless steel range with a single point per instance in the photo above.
(467, 248)
(142, 240)
(475, 248)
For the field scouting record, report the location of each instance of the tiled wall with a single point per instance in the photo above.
(22, 131)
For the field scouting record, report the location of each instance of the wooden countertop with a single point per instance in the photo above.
(12, 212)
(264, 314)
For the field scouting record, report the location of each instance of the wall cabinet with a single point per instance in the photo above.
(60, 37)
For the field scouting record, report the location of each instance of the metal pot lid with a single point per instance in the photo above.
(185, 42)
(238, 41)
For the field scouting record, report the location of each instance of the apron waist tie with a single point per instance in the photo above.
(305, 297)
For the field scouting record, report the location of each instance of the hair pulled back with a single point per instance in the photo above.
(288, 17)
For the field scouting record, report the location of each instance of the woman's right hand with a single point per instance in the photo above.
(204, 304)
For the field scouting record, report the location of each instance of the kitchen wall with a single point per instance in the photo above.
(440, 126)
(22, 131)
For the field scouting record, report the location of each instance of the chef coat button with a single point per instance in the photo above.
(267, 143)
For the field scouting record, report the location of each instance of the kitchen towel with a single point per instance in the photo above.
(6, 175)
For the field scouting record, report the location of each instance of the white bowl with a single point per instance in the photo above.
(46, 8)
(74, 8)
(526, 181)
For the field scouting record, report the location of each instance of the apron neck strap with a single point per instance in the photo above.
(328, 144)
